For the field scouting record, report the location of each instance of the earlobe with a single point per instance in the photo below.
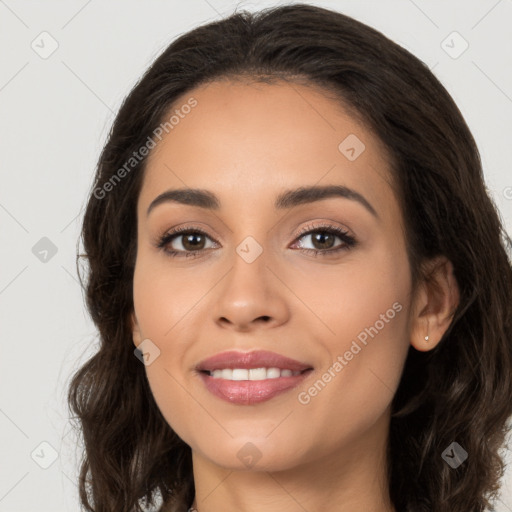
(137, 338)
(436, 300)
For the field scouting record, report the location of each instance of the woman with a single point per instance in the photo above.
(300, 283)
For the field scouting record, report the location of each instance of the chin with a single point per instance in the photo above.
(253, 454)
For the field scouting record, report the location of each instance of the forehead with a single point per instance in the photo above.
(261, 138)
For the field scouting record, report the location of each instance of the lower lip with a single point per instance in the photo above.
(247, 392)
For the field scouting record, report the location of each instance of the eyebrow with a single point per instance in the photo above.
(288, 199)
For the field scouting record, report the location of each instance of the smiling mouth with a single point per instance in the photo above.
(247, 378)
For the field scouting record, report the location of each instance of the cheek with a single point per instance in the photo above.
(170, 395)
(345, 299)
(364, 308)
(163, 303)
(163, 298)
(362, 373)
(375, 316)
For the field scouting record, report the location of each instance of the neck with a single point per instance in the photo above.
(352, 478)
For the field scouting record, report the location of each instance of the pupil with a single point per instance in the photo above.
(321, 237)
(187, 240)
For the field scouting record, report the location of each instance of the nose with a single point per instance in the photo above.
(250, 296)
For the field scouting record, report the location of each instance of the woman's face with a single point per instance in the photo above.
(338, 303)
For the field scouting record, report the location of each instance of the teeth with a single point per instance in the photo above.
(257, 374)
(227, 374)
(273, 373)
(252, 374)
(239, 374)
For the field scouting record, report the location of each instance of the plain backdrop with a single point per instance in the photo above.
(56, 110)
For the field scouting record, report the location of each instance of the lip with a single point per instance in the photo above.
(247, 360)
(246, 392)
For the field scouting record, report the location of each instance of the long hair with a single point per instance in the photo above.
(461, 391)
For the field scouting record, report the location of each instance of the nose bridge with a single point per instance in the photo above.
(248, 276)
(250, 290)
(250, 243)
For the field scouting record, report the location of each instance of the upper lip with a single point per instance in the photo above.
(255, 359)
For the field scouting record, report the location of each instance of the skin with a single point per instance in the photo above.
(247, 143)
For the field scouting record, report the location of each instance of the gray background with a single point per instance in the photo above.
(55, 115)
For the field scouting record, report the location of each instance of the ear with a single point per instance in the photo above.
(436, 300)
(136, 335)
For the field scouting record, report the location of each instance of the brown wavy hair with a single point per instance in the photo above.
(459, 391)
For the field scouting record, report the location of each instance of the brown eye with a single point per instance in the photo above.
(323, 240)
(193, 241)
(184, 242)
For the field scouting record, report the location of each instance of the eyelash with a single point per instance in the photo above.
(348, 241)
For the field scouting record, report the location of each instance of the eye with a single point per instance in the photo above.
(323, 239)
(192, 242)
